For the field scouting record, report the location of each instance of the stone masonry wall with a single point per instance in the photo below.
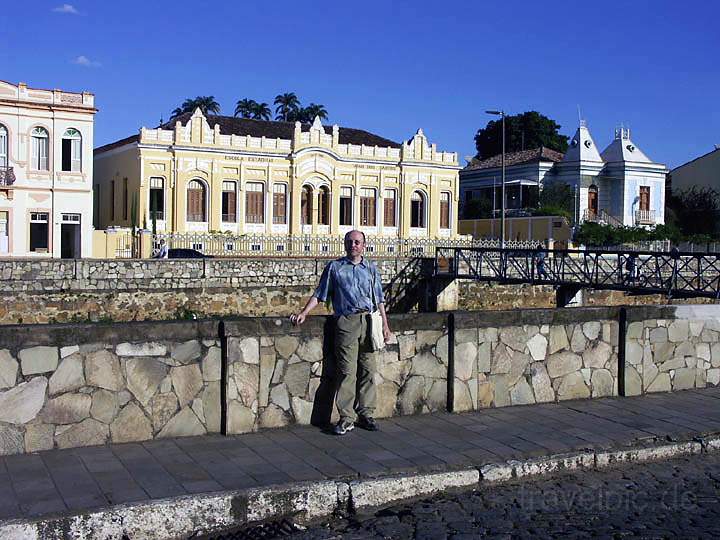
(279, 374)
(63, 387)
(87, 290)
(672, 350)
(83, 384)
(553, 355)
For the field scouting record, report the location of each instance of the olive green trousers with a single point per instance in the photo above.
(356, 365)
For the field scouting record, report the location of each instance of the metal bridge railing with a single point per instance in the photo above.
(674, 274)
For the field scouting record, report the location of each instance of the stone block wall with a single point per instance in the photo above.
(279, 374)
(534, 356)
(669, 349)
(77, 385)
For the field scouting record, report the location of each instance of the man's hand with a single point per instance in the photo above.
(387, 334)
(297, 319)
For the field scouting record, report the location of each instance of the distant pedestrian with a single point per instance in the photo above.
(631, 269)
(162, 251)
(540, 253)
(353, 285)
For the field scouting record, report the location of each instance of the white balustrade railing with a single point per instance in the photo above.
(227, 245)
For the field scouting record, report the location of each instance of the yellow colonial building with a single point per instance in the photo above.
(226, 174)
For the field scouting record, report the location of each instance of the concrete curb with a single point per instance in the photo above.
(309, 501)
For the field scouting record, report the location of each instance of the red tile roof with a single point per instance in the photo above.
(516, 158)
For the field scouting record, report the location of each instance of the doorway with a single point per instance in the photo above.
(4, 236)
(593, 201)
(70, 236)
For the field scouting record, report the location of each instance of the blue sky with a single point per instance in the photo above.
(387, 66)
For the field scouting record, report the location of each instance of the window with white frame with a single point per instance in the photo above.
(367, 207)
(279, 204)
(71, 150)
(40, 149)
(417, 209)
(444, 210)
(254, 203)
(229, 201)
(39, 232)
(157, 198)
(3, 146)
(196, 201)
(389, 208)
(346, 217)
(324, 205)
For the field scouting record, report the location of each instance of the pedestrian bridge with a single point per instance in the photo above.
(675, 274)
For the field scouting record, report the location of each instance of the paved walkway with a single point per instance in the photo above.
(70, 481)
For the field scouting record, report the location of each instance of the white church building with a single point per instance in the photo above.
(620, 185)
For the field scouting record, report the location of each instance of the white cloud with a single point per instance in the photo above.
(66, 8)
(83, 60)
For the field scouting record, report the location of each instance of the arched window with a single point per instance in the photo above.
(444, 210)
(196, 201)
(324, 206)
(367, 207)
(40, 149)
(3, 146)
(254, 202)
(306, 198)
(71, 150)
(417, 209)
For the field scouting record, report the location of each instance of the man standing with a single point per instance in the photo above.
(353, 285)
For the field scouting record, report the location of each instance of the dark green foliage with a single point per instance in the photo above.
(556, 199)
(287, 109)
(478, 208)
(206, 104)
(596, 234)
(522, 131)
(696, 211)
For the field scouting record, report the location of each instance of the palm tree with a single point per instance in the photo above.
(313, 110)
(206, 104)
(286, 104)
(245, 108)
(261, 111)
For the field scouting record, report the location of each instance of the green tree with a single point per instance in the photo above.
(261, 111)
(245, 108)
(522, 131)
(206, 104)
(287, 104)
(479, 208)
(556, 199)
(696, 211)
(313, 110)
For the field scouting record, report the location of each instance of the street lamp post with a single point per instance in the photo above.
(502, 185)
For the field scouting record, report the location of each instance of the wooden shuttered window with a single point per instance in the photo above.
(254, 204)
(389, 208)
(367, 207)
(306, 205)
(444, 210)
(229, 202)
(644, 198)
(346, 206)
(324, 206)
(279, 203)
(195, 201)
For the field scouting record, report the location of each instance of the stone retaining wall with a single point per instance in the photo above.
(279, 374)
(672, 349)
(552, 355)
(83, 384)
(68, 386)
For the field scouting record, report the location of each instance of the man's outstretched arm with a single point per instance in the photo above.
(309, 306)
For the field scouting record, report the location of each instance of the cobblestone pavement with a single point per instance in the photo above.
(670, 499)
